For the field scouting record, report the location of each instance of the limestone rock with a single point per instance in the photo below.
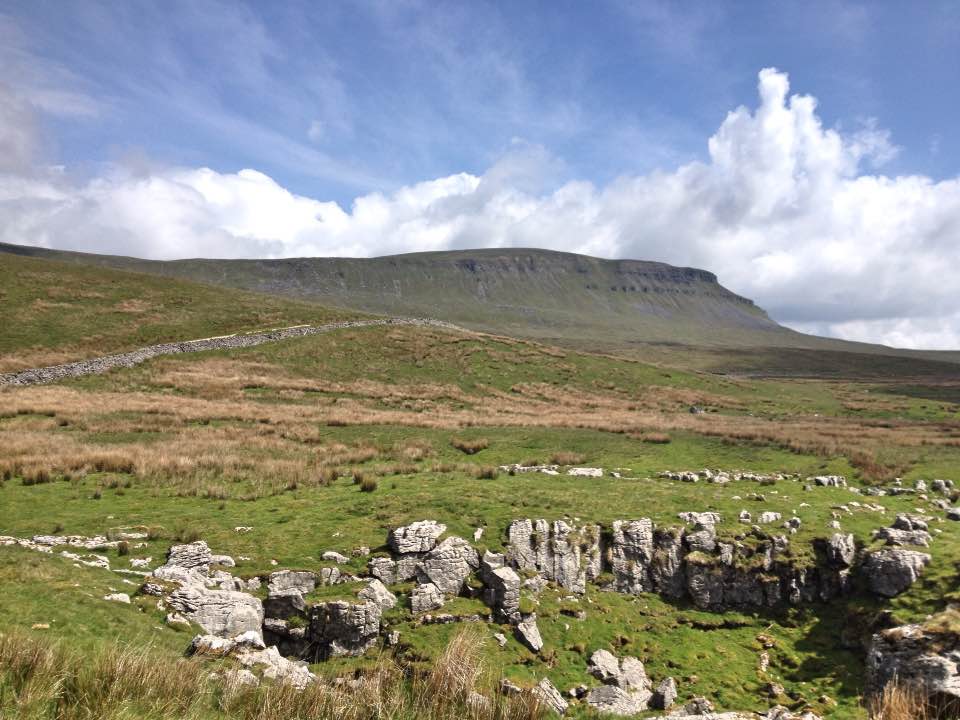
(841, 550)
(927, 658)
(891, 571)
(529, 634)
(665, 695)
(613, 700)
(604, 666)
(503, 593)
(702, 539)
(343, 628)
(118, 597)
(334, 556)
(376, 592)
(282, 580)
(186, 563)
(556, 550)
(700, 518)
(278, 668)
(631, 553)
(449, 565)
(384, 569)
(225, 613)
(768, 517)
(425, 598)
(418, 537)
(548, 695)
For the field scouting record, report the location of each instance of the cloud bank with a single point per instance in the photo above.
(790, 213)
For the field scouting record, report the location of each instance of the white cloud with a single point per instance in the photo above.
(783, 211)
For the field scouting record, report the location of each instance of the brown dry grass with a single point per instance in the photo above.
(222, 440)
(900, 702)
(40, 678)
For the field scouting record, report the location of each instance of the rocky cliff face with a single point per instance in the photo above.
(675, 562)
(925, 656)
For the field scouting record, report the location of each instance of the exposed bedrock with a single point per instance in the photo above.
(755, 571)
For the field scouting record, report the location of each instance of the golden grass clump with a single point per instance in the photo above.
(470, 447)
(899, 701)
(42, 678)
(566, 457)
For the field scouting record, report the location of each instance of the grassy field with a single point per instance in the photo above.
(278, 438)
(54, 312)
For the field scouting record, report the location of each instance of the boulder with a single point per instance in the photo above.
(278, 668)
(225, 613)
(953, 513)
(419, 537)
(665, 695)
(342, 628)
(118, 597)
(449, 565)
(923, 656)
(613, 700)
(841, 550)
(768, 517)
(384, 569)
(556, 551)
(891, 571)
(377, 593)
(630, 555)
(282, 580)
(604, 666)
(897, 537)
(425, 598)
(702, 539)
(547, 694)
(503, 593)
(528, 633)
(700, 518)
(334, 556)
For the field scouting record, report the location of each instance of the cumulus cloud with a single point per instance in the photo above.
(784, 210)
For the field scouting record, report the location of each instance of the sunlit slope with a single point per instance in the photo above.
(55, 312)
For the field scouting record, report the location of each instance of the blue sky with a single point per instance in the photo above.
(166, 129)
(397, 92)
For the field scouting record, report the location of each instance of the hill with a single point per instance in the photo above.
(56, 312)
(679, 316)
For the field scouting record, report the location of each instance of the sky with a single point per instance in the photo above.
(805, 152)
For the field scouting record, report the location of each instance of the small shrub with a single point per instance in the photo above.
(566, 458)
(36, 476)
(368, 485)
(358, 477)
(123, 548)
(188, 534)
(654, 438)
(486, 472)
(470, 447)
(57, 529)
(97, 494)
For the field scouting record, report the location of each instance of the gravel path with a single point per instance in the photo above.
(103, 364)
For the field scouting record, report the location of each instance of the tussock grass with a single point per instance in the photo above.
(468, 446)
(899, 701)
(41, 678)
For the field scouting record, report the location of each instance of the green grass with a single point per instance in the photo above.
(238, 397)
(67, 311)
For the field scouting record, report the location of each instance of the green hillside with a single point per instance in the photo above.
(56, 312)
(680, 316)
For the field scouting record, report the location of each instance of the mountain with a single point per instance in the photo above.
(552, 296)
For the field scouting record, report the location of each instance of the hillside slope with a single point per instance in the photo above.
(591, 303)
(56, 312)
